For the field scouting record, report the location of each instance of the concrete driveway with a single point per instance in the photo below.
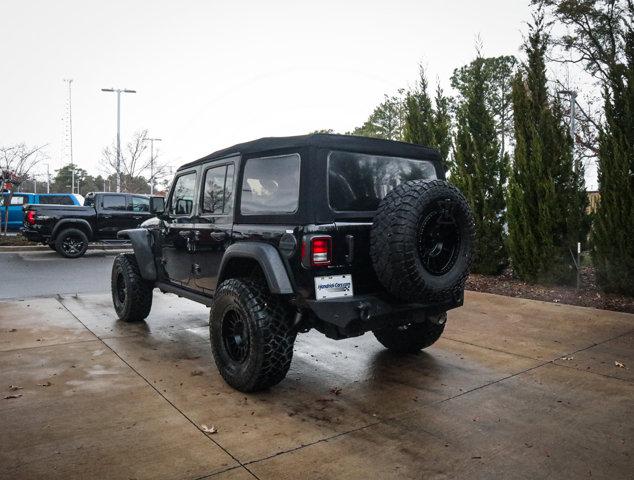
(514, 389)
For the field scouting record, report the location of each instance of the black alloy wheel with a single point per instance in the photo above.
(235, 335)
(439, 238)
(71, 243)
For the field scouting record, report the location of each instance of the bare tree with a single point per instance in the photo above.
(134, 162)
(16, 163)
(20, 159)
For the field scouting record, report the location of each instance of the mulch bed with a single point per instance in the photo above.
(14, 241)
(588, 295)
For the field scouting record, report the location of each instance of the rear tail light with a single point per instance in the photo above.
(30, 217)
(318, 252)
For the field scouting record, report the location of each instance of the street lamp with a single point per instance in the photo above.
(152, 140)
(118, 91)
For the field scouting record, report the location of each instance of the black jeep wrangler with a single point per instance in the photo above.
(280, 235)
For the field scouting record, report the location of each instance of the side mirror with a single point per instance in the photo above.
(157, 205)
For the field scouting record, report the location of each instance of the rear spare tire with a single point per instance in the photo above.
(421, 243)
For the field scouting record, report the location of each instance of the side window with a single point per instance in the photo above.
(182, 200)
(218, 192)
(270, 185)
(213, 196)
(17, 200)
(140, 204)
(113, 202)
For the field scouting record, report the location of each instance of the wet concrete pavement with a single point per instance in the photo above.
(514, 389)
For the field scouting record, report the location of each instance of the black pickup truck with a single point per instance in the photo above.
(68, 229)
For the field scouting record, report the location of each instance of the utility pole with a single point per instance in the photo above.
(118, 92)
(48, 178)
(572, 96)
(152, 140)
(69, 81)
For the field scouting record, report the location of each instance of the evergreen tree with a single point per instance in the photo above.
(442, 124)
(386, 120)
(613, 229)
(546, 199)
(479, 170)
(423, 124)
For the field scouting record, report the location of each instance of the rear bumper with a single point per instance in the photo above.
(345, 317)
(33, 235)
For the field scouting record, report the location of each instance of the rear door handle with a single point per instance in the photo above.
(184, 233)
(217, 235)
(106, 216)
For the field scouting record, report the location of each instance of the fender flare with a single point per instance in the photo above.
(142, 241)
(68, 223)
(269, 260)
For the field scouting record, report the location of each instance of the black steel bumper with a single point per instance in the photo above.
(33, 235)
(361, 313)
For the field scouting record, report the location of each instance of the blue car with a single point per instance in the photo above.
(19, 199)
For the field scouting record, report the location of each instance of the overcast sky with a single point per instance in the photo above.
(213, 73)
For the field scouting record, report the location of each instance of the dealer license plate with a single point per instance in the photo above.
(334, 286)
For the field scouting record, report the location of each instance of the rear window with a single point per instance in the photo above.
(56, 200)
(358, 182)
(270, 185)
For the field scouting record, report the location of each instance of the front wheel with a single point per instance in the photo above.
(131, 294)
(251, 338)
(413, 337)
(71, 243)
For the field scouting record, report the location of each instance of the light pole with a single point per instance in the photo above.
(118, 91)
(152, 140)
(70, 133)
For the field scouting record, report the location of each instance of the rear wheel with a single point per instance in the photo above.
(131, 294)
(413, 337)
(71, 243)
(251, 338)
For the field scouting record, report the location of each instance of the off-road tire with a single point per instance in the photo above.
(131, 294)
(410, 338)
(395, 241)
(266, 335)
(77, 237)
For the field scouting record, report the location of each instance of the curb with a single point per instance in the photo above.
(44, 248)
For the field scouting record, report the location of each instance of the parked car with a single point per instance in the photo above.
(69, 229)
(20, 199)
(280, 235)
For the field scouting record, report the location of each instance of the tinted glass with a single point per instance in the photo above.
(182, 201)
(358, 182)
(213, 196)
(218, 193)
(56, 200)
(140, 204)
(113, 202)
(270, 185)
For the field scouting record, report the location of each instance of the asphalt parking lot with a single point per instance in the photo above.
(514, 389)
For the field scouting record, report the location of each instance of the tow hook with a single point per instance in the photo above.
(364, 311)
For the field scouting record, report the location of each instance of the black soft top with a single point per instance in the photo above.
(323, 140)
